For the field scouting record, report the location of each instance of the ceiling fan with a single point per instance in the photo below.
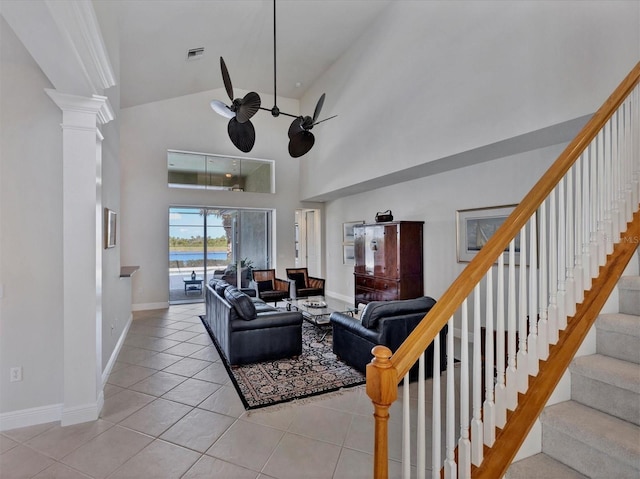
(241, 130)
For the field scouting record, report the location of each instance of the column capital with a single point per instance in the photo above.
(96, 105)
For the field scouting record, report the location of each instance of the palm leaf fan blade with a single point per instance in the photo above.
(242, 135)
(296, 127)
(301, 143)
(248, 107)
(226, 79)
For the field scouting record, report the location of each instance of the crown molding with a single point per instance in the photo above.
(78, 22)
(65, 40)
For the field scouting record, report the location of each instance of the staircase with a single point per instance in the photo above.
(597, 433)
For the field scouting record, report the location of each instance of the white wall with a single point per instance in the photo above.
(188, 123)
(434, 200)
(434, 79)
(31, 310)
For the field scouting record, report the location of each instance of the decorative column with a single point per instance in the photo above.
(82, 253)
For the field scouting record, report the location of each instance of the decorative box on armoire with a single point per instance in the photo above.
(388, 261)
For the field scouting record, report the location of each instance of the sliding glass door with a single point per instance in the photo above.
(207, 243)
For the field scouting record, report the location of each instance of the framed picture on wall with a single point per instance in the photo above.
(110, 222)
(348, 255)
(475, 226)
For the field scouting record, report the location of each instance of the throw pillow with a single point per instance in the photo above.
(299, 280)
(265, 285)
(221, 286)
(241, 303)
(377, 310)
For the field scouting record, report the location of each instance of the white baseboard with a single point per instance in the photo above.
(341, 297)
(116, 351)
(149, 306)
(84, 413)
(30, 417)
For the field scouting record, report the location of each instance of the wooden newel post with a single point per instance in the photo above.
(382, 388)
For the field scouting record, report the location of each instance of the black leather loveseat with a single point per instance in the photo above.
(248, 330)
(382, 322)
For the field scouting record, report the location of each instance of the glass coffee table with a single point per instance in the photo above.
(317, 309)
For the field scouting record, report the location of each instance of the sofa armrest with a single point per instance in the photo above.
(270, 319)
(351, 324)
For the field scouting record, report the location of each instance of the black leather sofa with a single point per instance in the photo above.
(383, 322)
(246, 329)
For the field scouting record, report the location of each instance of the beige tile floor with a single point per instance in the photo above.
(171, 411)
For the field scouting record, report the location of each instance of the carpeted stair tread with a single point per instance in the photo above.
(616, 372)
(541, 466)
(611, 436)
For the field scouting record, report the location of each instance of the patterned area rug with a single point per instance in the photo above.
(316, 371)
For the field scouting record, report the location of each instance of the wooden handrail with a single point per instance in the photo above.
(408, 353)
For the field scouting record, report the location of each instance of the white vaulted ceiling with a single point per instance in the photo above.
(155, 35)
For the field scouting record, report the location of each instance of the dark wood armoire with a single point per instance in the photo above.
(388, 261)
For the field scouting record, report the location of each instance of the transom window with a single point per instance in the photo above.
(217, 172)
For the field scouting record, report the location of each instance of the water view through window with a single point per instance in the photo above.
(207, 243)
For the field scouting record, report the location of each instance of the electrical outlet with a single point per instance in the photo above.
(15, 374)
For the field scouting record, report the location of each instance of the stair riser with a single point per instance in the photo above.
(629, 300)
(618, 345)
(612, 400)
(583, 458)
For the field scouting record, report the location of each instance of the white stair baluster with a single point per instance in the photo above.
(488, 406)
(532, 339)
(552, 326)
(618, 198)
(586, 215)
(436, 421)
(512, 372)
(578, 273)
(608, 195)
(523, 360)
(501, 392)
(570, 286)
(464, 444)
(543, 341)
(406, 428)
(602, 236)
(562, 243)
(594, 250)
(477, 441)
(450, 467)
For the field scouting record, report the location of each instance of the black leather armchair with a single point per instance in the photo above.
(304, 285)
(268, 287)
(387, 323)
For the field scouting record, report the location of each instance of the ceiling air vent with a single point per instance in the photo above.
(195, 53)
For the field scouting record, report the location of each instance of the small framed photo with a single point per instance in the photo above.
(348, 255)
(348, 237)
(474, 227)
(110, 222)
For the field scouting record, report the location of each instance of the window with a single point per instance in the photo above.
(221, 243)
(216, 172)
